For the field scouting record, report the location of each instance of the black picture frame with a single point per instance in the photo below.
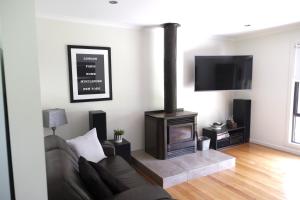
(93, 64)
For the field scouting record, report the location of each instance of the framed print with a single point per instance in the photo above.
(89, 73)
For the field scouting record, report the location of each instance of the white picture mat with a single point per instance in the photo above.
(76, 96)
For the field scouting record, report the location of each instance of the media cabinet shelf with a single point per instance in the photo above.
(236, 136)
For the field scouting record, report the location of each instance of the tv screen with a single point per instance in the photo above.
(223, 72)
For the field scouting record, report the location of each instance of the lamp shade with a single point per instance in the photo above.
(54, 117)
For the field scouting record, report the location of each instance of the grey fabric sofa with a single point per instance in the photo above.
(64, 183)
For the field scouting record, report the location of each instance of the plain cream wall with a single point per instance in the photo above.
(4, 170)
(131, 77)
(137, 76)
(271, 92)
(23, 96)
(211, 105)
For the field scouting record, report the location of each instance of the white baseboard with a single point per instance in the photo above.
(277, 147)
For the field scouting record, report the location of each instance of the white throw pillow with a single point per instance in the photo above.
(88, 146)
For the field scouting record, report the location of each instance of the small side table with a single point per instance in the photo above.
(123, 149)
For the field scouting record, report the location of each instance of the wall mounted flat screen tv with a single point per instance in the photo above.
(223, 72)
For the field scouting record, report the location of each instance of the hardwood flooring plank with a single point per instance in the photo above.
(250, 187)
(186, 191)
(261, 173)
(215, 189)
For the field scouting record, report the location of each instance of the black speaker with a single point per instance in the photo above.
(98, 121)
(242, 115)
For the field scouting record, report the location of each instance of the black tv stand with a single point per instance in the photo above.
(235, 136)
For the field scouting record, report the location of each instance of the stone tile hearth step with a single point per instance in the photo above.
(180, 169)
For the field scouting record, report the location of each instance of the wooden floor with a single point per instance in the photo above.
(260, 173)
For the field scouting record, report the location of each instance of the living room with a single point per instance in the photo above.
(38, 34)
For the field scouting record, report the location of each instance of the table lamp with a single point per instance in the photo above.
(53, 118)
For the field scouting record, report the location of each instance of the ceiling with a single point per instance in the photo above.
(216, 17)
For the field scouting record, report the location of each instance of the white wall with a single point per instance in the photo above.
(137, 76)
(211, 105)
(23, 96)
(271, 88)
(131, 77)
(4, 171)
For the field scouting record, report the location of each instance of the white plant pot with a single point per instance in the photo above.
(118, 138)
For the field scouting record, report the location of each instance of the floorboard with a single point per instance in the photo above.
(260, 173)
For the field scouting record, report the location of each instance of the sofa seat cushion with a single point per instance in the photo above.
(118, 167)
(132, 179)
(145, 192)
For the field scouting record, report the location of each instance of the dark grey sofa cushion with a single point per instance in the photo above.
(94, 184)
(145, 192)
(114, 184)
(63, 178)
(123, 171)
(55, 142)
(108, 148)
(64, 183)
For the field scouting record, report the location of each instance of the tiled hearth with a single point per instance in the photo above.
(181, 169)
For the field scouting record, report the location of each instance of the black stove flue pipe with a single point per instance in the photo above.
(170, 60)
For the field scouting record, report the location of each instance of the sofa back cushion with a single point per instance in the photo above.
(63, 181)
(114, 184)
(55, 142)
(92, 180)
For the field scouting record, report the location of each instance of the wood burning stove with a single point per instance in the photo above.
(170, 132)
(180, 133)
(168, 135)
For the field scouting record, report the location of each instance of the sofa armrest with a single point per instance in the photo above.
(108, 148)
(149, 192)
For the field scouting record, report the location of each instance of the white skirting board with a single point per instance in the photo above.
(277, 147)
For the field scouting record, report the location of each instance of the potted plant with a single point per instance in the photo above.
(118, 134)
